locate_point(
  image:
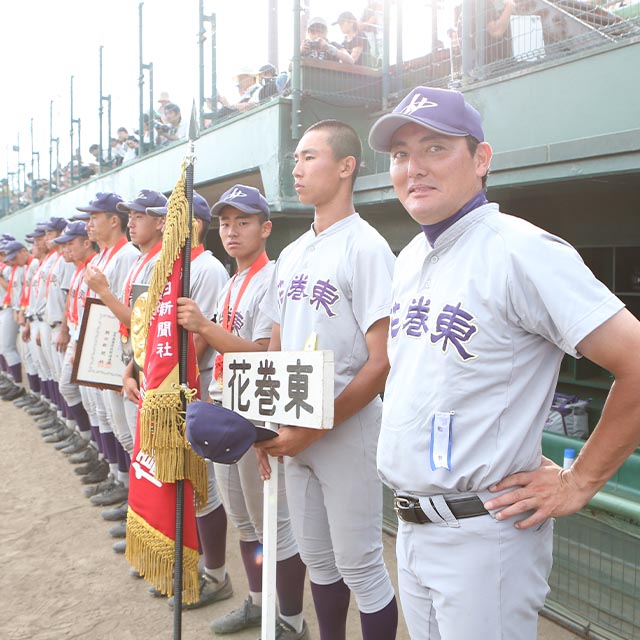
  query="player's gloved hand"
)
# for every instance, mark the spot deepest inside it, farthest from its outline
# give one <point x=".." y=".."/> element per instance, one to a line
<point x="548" y="491"/>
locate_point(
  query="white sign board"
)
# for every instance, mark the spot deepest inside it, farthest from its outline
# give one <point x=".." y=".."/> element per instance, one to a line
<point x="286" y="387"/>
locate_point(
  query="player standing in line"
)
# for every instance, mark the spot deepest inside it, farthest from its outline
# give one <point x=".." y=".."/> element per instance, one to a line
<point x="78" y="250"/>
<point x="107" y="226"/>
<point x="32" y="365"/>
<point x="484" y="307"/>
<point x="335" y="280"/>
<point x="241" y="326"/>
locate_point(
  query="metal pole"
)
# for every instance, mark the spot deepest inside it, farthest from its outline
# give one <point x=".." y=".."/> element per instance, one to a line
<point x="467" y="40"/>
<point x="434" y="25"/>
<point x="50" y="146"/>
<point x="272" y="25"/>
<point x="108" y="98"/>
<point x="386" y="54"/>
<point x="151" y="111"/>
<point x="71" y="176"/>
<point x="214" y="64"/>
<point x="296" y="93"/>
<point x="141" y="81"/>
<point x="201" y="39"/>
<point x="100" y="114"/>
<point x="33" y="171"/>
<point x="399" y="61"/>
<point x="183" y="378"/>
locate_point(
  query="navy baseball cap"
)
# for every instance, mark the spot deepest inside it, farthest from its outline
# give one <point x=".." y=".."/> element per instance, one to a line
<point x="243" y="198"/>
<point x="12" y="248"/>
<point x="441" y="110"/>
<point x="73" y="230"/>
<point x="39" y="231"/>
<point x="7" y="237"/>
<point x="103" y="202"/>
<point x="55" y="224"/>
<point x="219" y="434"/>
<point x="146" y="198"/>
<point x="200" y="208"/>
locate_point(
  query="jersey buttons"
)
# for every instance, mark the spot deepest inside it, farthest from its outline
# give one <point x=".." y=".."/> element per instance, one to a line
<point x="434" y="259"/>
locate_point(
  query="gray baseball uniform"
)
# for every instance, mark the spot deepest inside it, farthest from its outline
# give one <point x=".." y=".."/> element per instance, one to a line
<point x="240" y="484"/>
<point x="479" y="325"/>
<point x="338" y="284"/>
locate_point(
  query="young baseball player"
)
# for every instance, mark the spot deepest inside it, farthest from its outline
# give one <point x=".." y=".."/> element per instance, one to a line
<point x="244" y="228"/>
<point x="335" y="280"/>
<point x="107" y="225"/>
<point x="484" y="307"/>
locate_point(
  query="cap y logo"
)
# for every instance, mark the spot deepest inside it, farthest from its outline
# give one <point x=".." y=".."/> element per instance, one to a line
<point x="418" y="102"/>
<point x="236" y="193"/>
<point x="141" y="196"/>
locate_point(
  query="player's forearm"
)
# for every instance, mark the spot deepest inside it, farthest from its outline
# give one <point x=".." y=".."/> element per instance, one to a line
<point x="368" y="383"/>
<point x="224" y="342"/>
<point x="615" y="437"/>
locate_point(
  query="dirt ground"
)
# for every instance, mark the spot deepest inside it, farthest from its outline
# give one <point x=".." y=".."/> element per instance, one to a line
<point x="60" y="579"/>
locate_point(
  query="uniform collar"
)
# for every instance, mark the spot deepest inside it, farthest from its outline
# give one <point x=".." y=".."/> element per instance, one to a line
<point x="336" y="227"/>
<point x="451" y="234"/>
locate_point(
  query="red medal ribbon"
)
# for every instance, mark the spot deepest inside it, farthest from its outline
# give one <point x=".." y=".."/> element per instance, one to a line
<point x="26" y="285"/>
<point x="7" y="296"/>
<point x="228" y="318"/>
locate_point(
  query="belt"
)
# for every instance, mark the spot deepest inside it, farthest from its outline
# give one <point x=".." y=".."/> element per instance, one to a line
<point x="409" y="509"/>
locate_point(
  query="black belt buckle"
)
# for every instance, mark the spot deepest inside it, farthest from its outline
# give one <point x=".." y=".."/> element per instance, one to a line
<point x="409" y="509"/>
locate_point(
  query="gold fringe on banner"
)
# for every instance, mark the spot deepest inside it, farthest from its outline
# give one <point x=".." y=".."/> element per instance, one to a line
<point x="176" y="232"/>
<point x="153" y="554"/>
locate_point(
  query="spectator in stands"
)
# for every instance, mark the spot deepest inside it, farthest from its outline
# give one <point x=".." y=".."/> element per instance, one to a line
<point x="371" y="24"/>
<point x="163" y="101"/>
<point x="176" y="127"/>
<point x="268" y="80"/>
<point x="498" y="24"/>
<point x="355" y="41"/>
<point x="132" y="150"/>
<point x="120" y="148"/>
<point x="316" y="46"/>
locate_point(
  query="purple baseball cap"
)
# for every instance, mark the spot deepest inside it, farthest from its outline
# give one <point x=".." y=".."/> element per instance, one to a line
<point x="243" y="198"/>
<point x="73" y="230"/>
<point x="200" y="208"/>
<point x="145" y="199"/>
<point x="442" y="110"/>
<point x="7" y="237"/>
<point x="12" y="248"/>
<point x="55" y="224"/>
<point x="103" y="202"/>
<point x="219" y="434"/>
<point x="39" y="231"/>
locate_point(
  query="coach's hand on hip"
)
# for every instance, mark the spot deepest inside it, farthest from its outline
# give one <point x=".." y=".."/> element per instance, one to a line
<point x="548" y="491"/>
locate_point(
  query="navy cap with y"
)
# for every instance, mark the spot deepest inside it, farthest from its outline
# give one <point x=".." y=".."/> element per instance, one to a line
<point x="146" y="198"/>
<point x="441" y="110"/>
<point x="56" y="224"/>
<point x="243" y="198"/>
<point x="74" y="230"/>
<point x="103" y="203"/>
<point x="219" y="434"/>
<point x="200" y="208"/>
